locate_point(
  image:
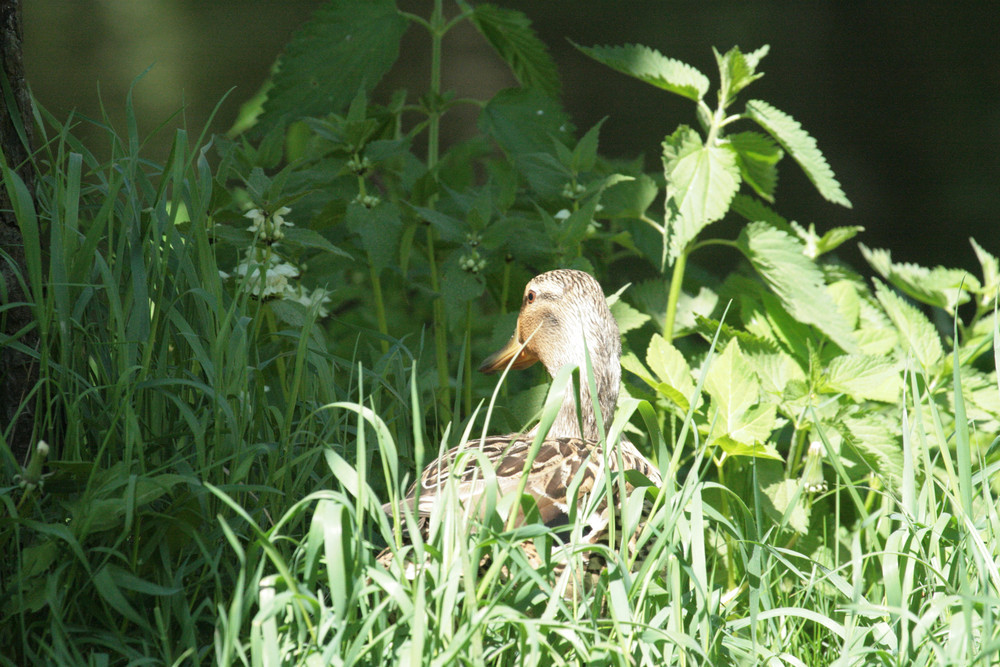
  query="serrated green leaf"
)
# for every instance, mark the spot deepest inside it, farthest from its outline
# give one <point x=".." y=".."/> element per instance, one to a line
<point x="916" y="333"/>
<point x="652" y="67"/>
<point x="757" y="157"/>
<point x="795" y="279"/>
<point x="940" y="287"/>
<point x="782" y="493"/>
<point x="628" y="318"/>
<point x="875" y="333"/>
<point x="817" y="245"/>
<point x="755" y="425"/>
<point x="775" y="370"/>
<point x="864" y="377"/>
<point x="510" y="33"/>
<point x="991" y="271"/>
<point x="736" y="71"/>
<point x="379" y="228"/>
<point x="871" y="435"/>
<point x="346" y="44"/>
<point x="585" y="153"/>
<point x="801" y="146"/>
<point x="525" y="121"/>
<point x="701" y="181"/>
<point x="669" y="365"/>
<point x="753" y="210"/>
<point x="545" y="173"/>
<point x="629" y="199"/>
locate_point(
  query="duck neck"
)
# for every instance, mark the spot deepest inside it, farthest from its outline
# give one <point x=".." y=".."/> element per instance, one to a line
<point x="568" y="423"/>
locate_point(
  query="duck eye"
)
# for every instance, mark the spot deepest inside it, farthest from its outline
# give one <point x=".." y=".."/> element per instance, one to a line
<point x="530" y="298"/>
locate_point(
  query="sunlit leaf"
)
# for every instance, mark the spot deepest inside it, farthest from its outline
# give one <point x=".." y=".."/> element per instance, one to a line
<point x="652" y="67"/>
<point x="510" y="33"/>
<point x="801" y="146"/>
<point x="916" y="333"/>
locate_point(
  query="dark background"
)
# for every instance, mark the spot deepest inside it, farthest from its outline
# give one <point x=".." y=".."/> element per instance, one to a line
<point x="902" y="97"/>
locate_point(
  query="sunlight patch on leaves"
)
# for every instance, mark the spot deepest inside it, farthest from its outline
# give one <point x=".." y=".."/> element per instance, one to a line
<point x="757" y="156"/>
<point x="864" y="376"/>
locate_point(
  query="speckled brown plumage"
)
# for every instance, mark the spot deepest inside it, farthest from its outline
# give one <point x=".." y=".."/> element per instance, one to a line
<point x="563" y="315"/>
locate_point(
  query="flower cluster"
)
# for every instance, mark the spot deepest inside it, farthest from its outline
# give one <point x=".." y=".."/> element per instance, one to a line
<point x="265" y="274"/>
<point x="268" y="225"/>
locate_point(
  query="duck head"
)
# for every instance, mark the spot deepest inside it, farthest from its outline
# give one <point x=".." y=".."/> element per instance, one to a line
<point x="563" y="313"/>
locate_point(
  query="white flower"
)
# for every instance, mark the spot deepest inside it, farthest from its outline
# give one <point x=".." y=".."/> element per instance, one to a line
<point x="562" y="214"/>
<point x="275" y="278"/>
<point x="268" y="226"/>
<point x="319" y="296"/>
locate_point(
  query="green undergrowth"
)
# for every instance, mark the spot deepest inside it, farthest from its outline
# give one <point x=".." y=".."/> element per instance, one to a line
<point x="245" y="349"/>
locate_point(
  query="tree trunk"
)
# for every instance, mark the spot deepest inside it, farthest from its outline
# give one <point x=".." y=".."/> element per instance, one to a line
<point x="18" y="373"/>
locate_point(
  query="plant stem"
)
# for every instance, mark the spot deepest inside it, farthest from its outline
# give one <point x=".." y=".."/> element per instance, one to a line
<point x="437" y="29"/>
<point x="675" y="293"/>
<point x="383" y="327"/>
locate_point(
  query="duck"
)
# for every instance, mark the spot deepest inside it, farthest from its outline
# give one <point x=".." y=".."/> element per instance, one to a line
<point x="564" y="317"/>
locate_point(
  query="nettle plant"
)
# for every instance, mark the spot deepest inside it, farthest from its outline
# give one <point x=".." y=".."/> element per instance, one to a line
<point x="788" y="374"/>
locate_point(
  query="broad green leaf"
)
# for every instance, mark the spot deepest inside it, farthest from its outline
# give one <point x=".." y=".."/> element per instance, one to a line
<point x="545" y="173"/>
<point x="757" y="156"/>
<point x="795" y="279"/>
<point x="775" y="370"/>
<point x="629" y="199"/>
<point x="344" y="46"/>
<point x="801" y="146"/>
<point x="525" y="121"/>
<point x="379" y="228"/>
<point x="916" y="333"/>
<point x="509" y="32"/>
<point x="817" y="245"/>
<point x="845" y="295"/>
<point x="737" y="71"/>
<point x="670" y="366"/>
<point x="628" y="318"/>
<point x="652" y="67"/>
<point x="701" y="181"/>
<point x="732" y="385"/>
<point x="755" y="425"/>
<point x="585" y="154"/>
<point x="864" y="377"/>
<point x="754" y="210"/>
<point x="875" y="333"/>
<point x="941" y="287"/>
<point x="872" y="436"/>
<point x="782" y="493"/>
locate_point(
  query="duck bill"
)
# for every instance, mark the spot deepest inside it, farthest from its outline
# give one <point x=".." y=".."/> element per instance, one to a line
<point x="512" y="350"/>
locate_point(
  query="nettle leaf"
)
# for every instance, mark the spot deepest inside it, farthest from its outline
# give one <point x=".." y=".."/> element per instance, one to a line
<point x="585" y="154"/>
<point x="629" y="199"/>
<point x="863" y="376"/>
<point x="525" y="120"/>
<point x="628" y="318"/>
<point x="509" y="32"/>
<point x="875" y="333"/>
<point x="775" y="370"/>
<point x="757" y="156"/>
<point x="941" y="287"/>
<point x="379" y="228"/>
<point x="817" y="245"/>
<point x="916" y="333"/>
<point x="873" y="437"/>
<point x="991" y="271"/>
<point x="801" y="146"/>
<point x="701" y="181"/>
<point x="344" y="46"/>
<point x="545" y="173"/>
<point x="753" y="210"/>
<point x="795" y="279"/>
<point x="652" y="67"/>
<point x="737" y="71"/>
<point x="670" y="366"/>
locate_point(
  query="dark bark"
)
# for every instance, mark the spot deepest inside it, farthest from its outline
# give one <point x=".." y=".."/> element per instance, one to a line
<point x="18" y="373"/>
